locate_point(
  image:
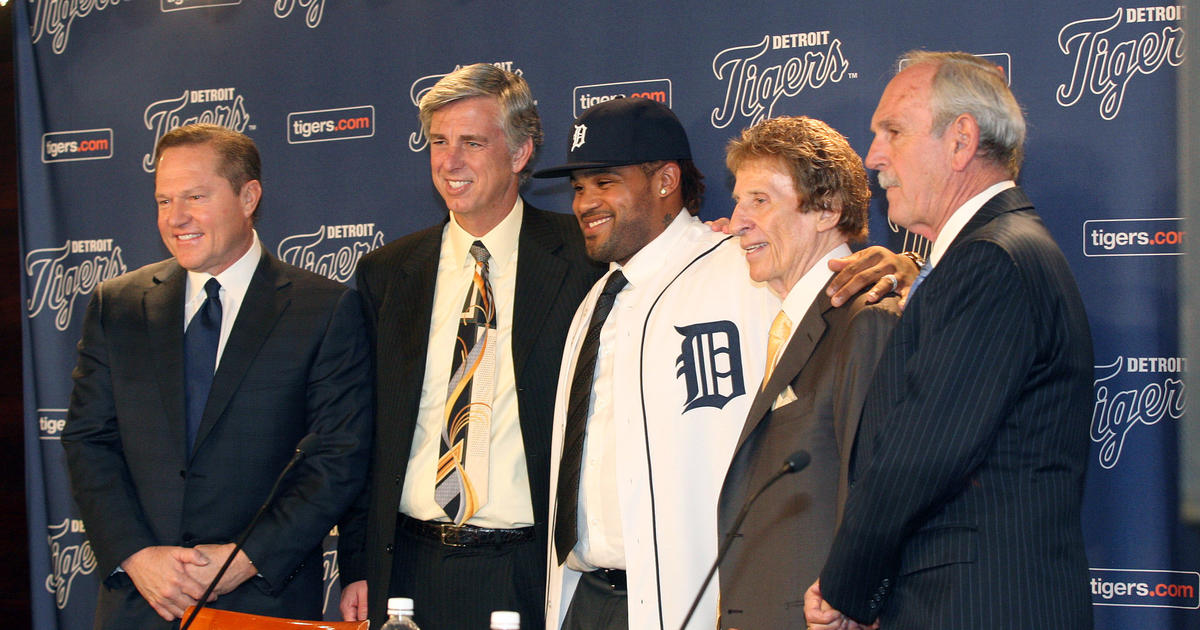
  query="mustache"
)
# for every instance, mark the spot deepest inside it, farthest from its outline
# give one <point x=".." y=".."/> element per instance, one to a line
<point x="887" y="180"/>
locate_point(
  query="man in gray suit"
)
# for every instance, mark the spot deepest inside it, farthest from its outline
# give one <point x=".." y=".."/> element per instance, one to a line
<point x="801" y="196"/>
<point x="967" y="475"/>
<point x="174" y="439"/>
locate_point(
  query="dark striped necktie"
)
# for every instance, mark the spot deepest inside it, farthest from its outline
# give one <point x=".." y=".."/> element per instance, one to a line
<point x="566" y="527"/>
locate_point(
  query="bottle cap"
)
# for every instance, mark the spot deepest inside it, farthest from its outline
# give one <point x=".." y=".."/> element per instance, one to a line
<point x="506" y="620"/>
<point x="400" y="606"/>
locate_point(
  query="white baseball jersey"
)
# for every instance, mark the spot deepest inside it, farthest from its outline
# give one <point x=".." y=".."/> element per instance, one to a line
<point x="690" y="349"/>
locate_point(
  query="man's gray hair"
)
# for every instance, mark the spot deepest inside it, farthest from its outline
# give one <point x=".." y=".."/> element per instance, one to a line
<point x="966" y="84"/>
<point x="518" y="114"/>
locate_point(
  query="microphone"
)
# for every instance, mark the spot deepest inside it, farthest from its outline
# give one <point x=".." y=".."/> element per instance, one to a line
<point x="792" y="464"/>
<point x="306" y="446"/>
<point x="312" y="441"/>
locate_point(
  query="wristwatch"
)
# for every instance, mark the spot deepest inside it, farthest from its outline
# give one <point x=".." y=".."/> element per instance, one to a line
<point x="916" y="259"/>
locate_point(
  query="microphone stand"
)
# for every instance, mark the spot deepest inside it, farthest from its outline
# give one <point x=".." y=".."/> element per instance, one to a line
<point x="301" y="452"/>
<point x="794" y="463"/>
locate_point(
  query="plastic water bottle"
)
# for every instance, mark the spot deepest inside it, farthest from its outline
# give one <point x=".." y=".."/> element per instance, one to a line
<point x="400" y="612"/>
<point x="506" y="620"/>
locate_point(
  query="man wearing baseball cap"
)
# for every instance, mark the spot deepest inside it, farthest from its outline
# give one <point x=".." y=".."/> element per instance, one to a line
<point x="654" y="383"/>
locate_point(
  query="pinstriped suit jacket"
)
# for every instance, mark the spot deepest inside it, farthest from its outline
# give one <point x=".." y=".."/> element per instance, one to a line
<point x="397" y="284"/>
<point x="967" y="478"/>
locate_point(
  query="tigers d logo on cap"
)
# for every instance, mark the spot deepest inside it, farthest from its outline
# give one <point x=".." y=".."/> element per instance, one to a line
<point x="621" y="132"/>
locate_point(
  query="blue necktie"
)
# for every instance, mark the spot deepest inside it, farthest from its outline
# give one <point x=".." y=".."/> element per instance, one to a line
<point x="916" y="283"/>
<point x="200" y="356"/>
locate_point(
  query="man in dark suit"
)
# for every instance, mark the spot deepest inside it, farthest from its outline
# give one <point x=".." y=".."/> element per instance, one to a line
<point x="967" y="476"/>
<point x="800" y="197"/>
<point x="461" y="559"/>
<point x="174" y="440"/>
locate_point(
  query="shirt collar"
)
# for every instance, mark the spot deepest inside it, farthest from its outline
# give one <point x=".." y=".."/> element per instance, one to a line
<point x="500" y="241"/>
<point x="806" y="289"/>
<point x="959" y="219"/>
<point x="235" y="278"/>
<point x="649" y="261"/>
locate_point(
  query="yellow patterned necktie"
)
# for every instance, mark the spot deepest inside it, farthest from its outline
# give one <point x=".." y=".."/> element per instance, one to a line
<point x="781" y="328"/>
<point x="461" y="486"/>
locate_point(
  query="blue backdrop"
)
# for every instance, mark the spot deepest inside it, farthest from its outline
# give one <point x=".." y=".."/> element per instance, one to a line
<point x="328" y="90"/>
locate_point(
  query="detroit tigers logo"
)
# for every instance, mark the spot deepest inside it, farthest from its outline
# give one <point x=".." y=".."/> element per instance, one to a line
<point x="578" y="137"/>
<point x="710" y="362"/>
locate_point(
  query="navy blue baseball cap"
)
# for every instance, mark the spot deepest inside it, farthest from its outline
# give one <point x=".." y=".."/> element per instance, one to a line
<point x="621" y="132"/>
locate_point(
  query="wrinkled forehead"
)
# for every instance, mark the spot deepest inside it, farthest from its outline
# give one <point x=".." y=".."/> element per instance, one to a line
<point x="906" y="97"/>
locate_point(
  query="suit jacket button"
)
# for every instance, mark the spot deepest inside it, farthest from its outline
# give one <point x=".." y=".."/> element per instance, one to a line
<point x="389" y="548"/>
<point x="398" y="479"/>
<point x="183" y="474"/>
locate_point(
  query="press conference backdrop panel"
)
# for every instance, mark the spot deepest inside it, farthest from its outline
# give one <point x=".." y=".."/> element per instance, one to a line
<point x="328" y="91"/>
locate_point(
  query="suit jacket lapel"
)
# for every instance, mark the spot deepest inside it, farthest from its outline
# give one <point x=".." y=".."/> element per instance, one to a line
<point x="264" y="302"/>
<point x="163" y="304"/>
<point x="540" y="274"/>
<point x="408" y="302"/>
<point x="795" y="356"/>
<point x="1007" y="200"/>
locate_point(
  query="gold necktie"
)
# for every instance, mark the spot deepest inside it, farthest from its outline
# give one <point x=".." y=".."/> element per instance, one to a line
<point x="781" y="328"/>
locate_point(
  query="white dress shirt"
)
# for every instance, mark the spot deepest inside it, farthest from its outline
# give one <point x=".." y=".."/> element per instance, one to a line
<point x="508" y="503"/>
<point x="800" y="297"/>
<point x="235" y="280"/>
<point x="961" y="217"/>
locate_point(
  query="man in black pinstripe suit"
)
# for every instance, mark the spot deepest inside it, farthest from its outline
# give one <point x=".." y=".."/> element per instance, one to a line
<point x="967" y="474"/>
